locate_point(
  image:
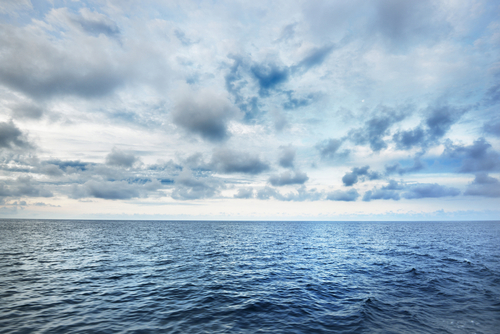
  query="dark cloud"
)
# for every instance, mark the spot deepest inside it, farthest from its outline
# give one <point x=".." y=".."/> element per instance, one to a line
<point x="204" y="113"/>
<point x="288" y="178"/>
<point x="484" y="185"/>
<point x="407" y="139"/>
<point x="397" y="168"/>
<point x="287" y="33"/>
<point x="228" y="161"/>
<point x="23" y="186"/>
<point x="440" y="119"/>
<point x="315" y="57"/>
<point x="187" y="187"/>
<point x="493" y="128"/>
<point x="71" y="166"/>
<point x="27" y="111"/>
<point x="269" y="76"/>
<point x="478" y="157"/>
<point x="404" y="23"/>
<point x="287" y="156"/>
<point x="492" y="96"/>
<point x="351" y="178"/>
<point x="120" y="158"/>
<point x="376" y="128"/>
<point x="340" y="195"/>
<point x="114" y="190"/>
<point x="389" y="191"/>
<point x="11" y="137"/>
<point x="328" y="149"/>
<point x="244" y="193"/>
<point x="32" y="64"/>
<point x="235" y="81"/>
<point x="428" y="190"/>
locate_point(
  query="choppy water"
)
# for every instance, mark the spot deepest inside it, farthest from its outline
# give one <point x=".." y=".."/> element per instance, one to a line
<point x="288" y="277"/>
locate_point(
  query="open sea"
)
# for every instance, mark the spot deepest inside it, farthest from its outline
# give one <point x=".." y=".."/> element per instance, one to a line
<point x="75" y="276"/>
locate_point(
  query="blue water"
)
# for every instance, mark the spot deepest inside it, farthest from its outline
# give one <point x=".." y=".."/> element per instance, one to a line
<point x="247" y="277"/>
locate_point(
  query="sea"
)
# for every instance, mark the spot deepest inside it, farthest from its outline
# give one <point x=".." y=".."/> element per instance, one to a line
<point x="78" y="276"/>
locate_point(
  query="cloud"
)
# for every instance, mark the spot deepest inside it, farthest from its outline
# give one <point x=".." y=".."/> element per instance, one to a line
<point x="23" y="186"/>
<point x="389" y="191"/>
<point x="351" y="178"/>
<point x="204" y="113"/>
<point x="269" y="76"/>
<point x="437" y="122"/>
<point x="187" y="187"/>
<point x="94" y="23"/>
<point x="397" y="168"/>
<point x="478" y="157"/>
<point x="228" y="161"/>
<point x="341" y="195"/>
<point x="315" y="57"/>
<point x="244" y="193"/>
<point x="120" y="158"/>
<point x="328" y="148"/>
<point x="301" y="194"/>
<point x="484" y="185"/>
<point x="407" y="139"/>
<point x="492" y="128"/>
<point x="11" y="137"/>
<point x="376" y="128"/>
<point x="288" y="178"/>
<point x="114" y="190"/>
<point x="27" y="111"/>
<point x="428" y="190"/>
<point x="32" y="64"/>
<point x="287" y="156"/>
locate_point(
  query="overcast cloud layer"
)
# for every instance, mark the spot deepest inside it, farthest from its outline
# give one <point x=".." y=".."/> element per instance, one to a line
<point x="250" y="109"/>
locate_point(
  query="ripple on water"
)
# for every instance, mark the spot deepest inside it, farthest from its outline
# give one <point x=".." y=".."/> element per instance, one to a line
<point x="289" y="277"/>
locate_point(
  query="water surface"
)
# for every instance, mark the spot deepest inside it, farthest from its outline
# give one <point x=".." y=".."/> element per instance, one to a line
<point x="246" y="277"/>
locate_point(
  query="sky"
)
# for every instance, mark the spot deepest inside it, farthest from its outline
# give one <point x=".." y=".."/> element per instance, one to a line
<point x="250" y="110"/>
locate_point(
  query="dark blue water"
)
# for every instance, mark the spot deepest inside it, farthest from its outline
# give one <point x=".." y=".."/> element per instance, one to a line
<point x="246" y="277"/>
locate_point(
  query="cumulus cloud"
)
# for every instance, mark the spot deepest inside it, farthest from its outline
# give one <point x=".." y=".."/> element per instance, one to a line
<point x="288" y="178"/>
<point x="287" y="156"/>
<point x="246" y="192"/>
<point x="120" y="158"/>
<point x="12" y="137"/>
<point x="30" y="63"/>
<point x="429" y="190"/>
<point x="301" y="194"/>
<point x="328" y="149"/>
<point x="478" y="157"/>
<point x="114" y="190"/>
<point x="23" y="186"/>
<point x="376" y="128"/>
<point x="204" y="113"/>
<point x="341" y="195"/>
<point x="351" y="178"/>
<point x="188" y="187"/>
<point x="399" y="169"/>
<point x="484" y="185"/>
<point x="228" y="161"/>
<point x="389" y="191"/>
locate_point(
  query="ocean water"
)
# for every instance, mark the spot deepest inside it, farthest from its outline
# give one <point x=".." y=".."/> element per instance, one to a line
<point x="248" y="277"/>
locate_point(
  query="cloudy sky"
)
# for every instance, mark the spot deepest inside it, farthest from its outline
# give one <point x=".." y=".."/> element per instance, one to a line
<point x="317" y="109"/>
